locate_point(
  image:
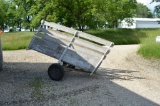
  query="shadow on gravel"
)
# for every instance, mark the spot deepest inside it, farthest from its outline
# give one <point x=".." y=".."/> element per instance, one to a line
<point x="117" y="74"/>
<point x="77" y="88"/>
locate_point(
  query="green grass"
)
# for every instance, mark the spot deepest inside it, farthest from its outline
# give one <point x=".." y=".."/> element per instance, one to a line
<point x="120" y="36"/>
<point x="37" y="85"/>
<point x="149" y="47"/>
<point x="16" y="40"/>
<point x="146" y="37"/>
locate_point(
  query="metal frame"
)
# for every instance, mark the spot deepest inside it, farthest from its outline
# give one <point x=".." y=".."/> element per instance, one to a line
<point x="69" y="45"/>
<point x="99" y="57"/>
<point x="103" y="57"/>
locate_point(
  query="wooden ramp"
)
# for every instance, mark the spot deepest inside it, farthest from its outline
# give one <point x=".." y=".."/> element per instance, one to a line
<point x="68" y="45"/>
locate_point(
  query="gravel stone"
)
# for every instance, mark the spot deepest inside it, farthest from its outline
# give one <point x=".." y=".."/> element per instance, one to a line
<point x="124" y="79"/>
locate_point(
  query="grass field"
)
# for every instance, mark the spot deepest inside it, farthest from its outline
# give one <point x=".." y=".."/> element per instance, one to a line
<point x="16" y="40"/>
<point x="120" y="36"/>
<point x="149" y="48"/>
<point x="146" y="37"/>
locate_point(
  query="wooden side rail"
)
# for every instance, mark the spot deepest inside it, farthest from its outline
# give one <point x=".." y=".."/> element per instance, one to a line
<point x="80" y="34"/>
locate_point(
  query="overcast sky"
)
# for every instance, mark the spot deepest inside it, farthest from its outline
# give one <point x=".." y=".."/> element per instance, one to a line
<point x="148" y="4"/>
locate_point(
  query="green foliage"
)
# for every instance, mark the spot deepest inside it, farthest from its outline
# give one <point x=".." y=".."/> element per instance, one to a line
<point x="79" y="14"/>
<point x="37" y="85"/>
<point x="149" y="48"/>
<point x="16" y="40"/>
<point x="118" y="10"/>
<point x="142" y="11"/>
<point x="157" y="11"/>
<point x="37" y="11"/>
<point x="146" y="37"/>
<point x="17" y="13"/>
<point x="120" y="36"/>
<point x="72" y="13"/>
<point x="157" y="8"/>
<point x="11" y="18"/>
<point x="3" y="9"/>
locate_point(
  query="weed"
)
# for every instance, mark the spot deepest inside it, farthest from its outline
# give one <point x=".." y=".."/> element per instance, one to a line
<point x="37" y="85"/>
<point x="149" y="47"/>
<point x="73" y="101"/>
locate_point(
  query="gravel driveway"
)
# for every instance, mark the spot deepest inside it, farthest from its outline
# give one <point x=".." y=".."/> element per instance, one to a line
<point x="124" y="79"/>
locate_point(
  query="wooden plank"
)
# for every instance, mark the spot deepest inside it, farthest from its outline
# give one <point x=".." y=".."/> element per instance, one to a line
<point x="74" y="46"/>
<point x="50" y="38"/>
<point x="78" y="59"/>
<point x="77" y="41"/>
<point x="81" y="34"/>
<point x="54" y="46"/>
<point x="83" y="64"/>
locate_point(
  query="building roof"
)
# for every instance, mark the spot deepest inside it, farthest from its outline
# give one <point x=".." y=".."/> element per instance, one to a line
<point x="146" y="19"/>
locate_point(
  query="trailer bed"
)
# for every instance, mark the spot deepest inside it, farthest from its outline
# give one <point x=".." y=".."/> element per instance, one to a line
<point x="70" y="46"/>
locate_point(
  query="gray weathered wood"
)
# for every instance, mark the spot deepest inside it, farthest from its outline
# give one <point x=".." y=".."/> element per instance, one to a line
<point x="54" y="40"/>
<point x="65" y="42"/>
<point x="78" y="59"/>
<point x="77" y="41"/>
<point x="81" y="34"/>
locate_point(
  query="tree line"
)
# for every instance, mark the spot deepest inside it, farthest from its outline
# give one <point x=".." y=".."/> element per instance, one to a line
<point x="79" y="14"/>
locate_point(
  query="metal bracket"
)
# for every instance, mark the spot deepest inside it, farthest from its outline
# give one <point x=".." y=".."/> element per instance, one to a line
<point x="99" y="63"/>
<point x="69" y="45"/>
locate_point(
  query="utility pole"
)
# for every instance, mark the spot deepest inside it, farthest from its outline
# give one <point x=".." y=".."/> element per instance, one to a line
<point x="1" y="54"/>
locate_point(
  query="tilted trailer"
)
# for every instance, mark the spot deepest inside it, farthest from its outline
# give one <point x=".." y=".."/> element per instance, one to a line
<point x="70" y="47"/>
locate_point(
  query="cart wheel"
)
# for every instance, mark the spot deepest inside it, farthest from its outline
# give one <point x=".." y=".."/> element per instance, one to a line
<point x="56" y="72"/>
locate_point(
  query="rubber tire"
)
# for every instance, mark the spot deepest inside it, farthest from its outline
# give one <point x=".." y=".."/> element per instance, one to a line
<point x="56" y="72"/>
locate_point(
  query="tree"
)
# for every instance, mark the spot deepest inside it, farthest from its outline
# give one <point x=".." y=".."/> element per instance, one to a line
<point x="40" y="10"/>
<point x="27" y="17"/>
<point x="157" y="8"/>
<point x="19" y="10"/>
<point x="142" y="11"/>
<point x="17" y="13"/>
<point x="84" y="12"/>
<point x="3" y="9"/>
<point x="117" y="10"/>
<point x="155" y="1"/>
<point x="72" y="13"/>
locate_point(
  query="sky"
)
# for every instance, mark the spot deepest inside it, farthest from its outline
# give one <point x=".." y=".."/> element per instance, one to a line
<point x="148" y="4"/>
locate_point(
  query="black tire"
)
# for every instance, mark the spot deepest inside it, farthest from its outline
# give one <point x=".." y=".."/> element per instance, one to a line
<point x="56" y="72"/>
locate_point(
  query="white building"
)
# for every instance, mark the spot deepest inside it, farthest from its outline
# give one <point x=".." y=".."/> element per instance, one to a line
<point x="133" y="23"/>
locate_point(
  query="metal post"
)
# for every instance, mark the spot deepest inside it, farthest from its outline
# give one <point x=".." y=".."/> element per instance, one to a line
<point x="1" y="55"/>
<point x="65" y="50"/>
<point x="100" y="61"/>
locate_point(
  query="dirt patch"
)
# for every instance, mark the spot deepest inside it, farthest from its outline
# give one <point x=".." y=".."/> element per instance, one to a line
<point x="124" y="78"/>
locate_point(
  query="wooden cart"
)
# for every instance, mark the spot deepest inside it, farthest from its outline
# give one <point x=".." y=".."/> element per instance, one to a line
<point x="71" y="47"/>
